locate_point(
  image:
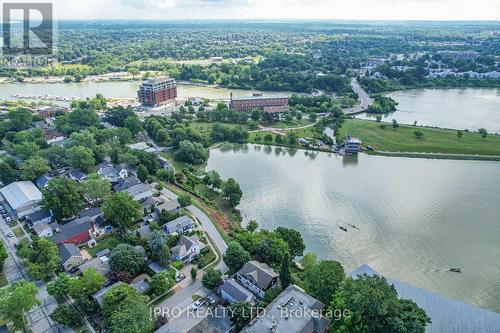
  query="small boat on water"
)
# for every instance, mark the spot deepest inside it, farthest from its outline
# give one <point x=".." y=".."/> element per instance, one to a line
<point x="353" y="226"/>
<point x="455" y="270"/>
<point x="343" y="229"/>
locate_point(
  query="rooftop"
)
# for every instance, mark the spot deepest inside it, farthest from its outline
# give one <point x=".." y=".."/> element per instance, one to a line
<point x="66" y="251"/>
<point x="38" y="215"/>
<point x="236" y="291"/>
<point x="71" y="229"/>
<point x="178" y="223"/>
<point x="247" y="98"/>
<point x="447" y="315"/>
<point x="18" y="194"/>
<point x="260" y="273"/>
<point x="296" y="319"/>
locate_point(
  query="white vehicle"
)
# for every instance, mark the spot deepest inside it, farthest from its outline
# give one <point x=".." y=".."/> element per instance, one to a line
<point x="198" y="304"/>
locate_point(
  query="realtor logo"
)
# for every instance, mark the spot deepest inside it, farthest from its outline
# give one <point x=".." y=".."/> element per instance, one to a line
<point x="28" y="28"/>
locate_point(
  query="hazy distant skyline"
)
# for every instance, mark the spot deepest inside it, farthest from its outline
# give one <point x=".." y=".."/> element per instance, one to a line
<point x="279" y="9"/>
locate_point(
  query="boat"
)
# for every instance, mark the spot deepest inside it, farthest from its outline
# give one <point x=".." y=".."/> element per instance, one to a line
<point x="455" y="270"/>
<point x="343" y="229"/>
<point x="353" y="226"/>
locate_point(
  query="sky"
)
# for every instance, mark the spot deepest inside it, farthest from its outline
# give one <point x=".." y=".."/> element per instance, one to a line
<point x="278" y="9"/>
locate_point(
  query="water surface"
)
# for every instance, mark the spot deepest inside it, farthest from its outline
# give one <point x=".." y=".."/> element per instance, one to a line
<point x="416" y="217"/>
<point x="469" y="108"/>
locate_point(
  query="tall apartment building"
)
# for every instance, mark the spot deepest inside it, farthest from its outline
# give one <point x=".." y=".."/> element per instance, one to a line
<point x="157" y="91"/>
<point x="257" y="101"/>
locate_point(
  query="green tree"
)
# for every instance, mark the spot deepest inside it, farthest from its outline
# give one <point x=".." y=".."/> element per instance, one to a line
<point x="241" y="314"/>
<point x="395" y="124"/>
<point x="184" y="200"/>
<point x="62" y="197"/>
<point x="95" y="187"/>
<point x="459" y="134"/>
<point x="34" y="167"/>
<point x="20" y="119"/>
<point x="121" y="209"/>
<point x="194" y="273"/>
<point x="59" y="287"/>
<point x="81" y="158"/>
<point x="125" y="258"/>
<point x="133" y="124"/>
<point x="231" y="191"/>
<point x="159" y="245"/>
<point x="190" y="152"/>
<point x="7" y="173"/>
<point x="323" y="279"/>
<point x="285" y="275"/>
<point x="161" y="283"/>
<point x="125" y="311"/>
<point x="3" y="255"/>
<point x="15" y="300"/>
<point x="483" y="132"/>
<point x="375" y="307"/>
<point x="236" y="256"/>
<point x="272" y="249"/>
<point x="255" y="115"/>
<point x="252" y="226"/>
<point x="294" y="240"/>
<point x="142" y="173"/>
<point x="41" y="258"/>
<point x="418" y="134"/>
<point x="65" y="315"/>
<point x="212" y="278"/>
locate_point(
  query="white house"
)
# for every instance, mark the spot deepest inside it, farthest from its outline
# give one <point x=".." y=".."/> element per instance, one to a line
<point x="186" y="248"/>
<point x="42" y="230"/>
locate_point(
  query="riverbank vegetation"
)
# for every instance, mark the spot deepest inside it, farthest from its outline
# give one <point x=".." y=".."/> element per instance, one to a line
<point x="383" y="136"/>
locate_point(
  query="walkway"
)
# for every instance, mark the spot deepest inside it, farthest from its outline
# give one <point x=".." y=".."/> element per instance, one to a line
<point x="365" y="99"/>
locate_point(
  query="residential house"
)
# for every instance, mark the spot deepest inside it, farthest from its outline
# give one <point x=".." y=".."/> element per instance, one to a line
<point x="303" y="314"/>
<point x="77" y="231"/>
<point x="171" y="206"/>
<point x="77" y="175"/>
<point x="42" y="229"/>
<point x="42" y="182"/>
<point x="166" y="164"/>
<point x="186" y="248"/>
<point x="98" y="297"/>
<point x="53" y="137"/>
<point x="39" y="216"/>
<point x="257" y="277"/>
<point x="232" y="292"/>
<point x="133" y="186"/>
<point x="100" y="264"/>
<point x="143" y="232"/>
<point x="92" y="213"/>
<point x="70" y="256"/>
<point x="112" y="172"/>
<point x="22" y="197"/>
<point x="142" y="146"/>
<point x="180" y="225"/>
<point x="142" y="286"/>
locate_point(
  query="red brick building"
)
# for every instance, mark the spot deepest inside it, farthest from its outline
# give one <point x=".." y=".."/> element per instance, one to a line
<point x="157" y="91"/>
<point x="264" y="103"/>
<point x="76" y="232"/>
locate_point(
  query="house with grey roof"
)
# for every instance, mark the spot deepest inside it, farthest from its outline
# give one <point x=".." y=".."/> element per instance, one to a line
<point x="257" y="277"/>
<point x="77" y="231"/>
<point x="42" y="181"/>
<point x="77" y="175"/>
<point x="180" y="225"/>
<point x="112" y="172"/>
<point x="99" y="264"/>
<point x="70" y="256"/>
<point x="142" y="286"/>
<point x="43" y="230"/>
<point x="186" y="248"/>
<point x="98" y="297"/>
<point x="133" y="186"/>
<point x="447" y="315"/>
<point x="39" y="216"/>
<point x="232" y="292"/>
<point x="303" y="314"/>
<point x="172" y="206"/>
<point x="22" y="197"/>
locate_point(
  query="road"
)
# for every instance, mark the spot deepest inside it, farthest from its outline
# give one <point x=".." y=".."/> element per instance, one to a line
<point x="365" y="99"/>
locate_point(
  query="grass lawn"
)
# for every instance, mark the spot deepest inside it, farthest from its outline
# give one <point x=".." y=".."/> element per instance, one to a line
<point x="19" y="232"/>
<point x="292" y="124"/>
<point x="109" y="243"/>
<point x="433" y="141"/>
<point x="206" y="258"/>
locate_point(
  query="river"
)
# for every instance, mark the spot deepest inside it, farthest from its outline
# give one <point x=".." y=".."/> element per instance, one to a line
<point x="120" y="89"/>
<point x="469" y="108"/>
<point x="416" y="217"/>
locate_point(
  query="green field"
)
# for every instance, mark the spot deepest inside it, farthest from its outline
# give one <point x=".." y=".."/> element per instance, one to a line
<point x="433" y="141"/>
<point x="109" y="243"/>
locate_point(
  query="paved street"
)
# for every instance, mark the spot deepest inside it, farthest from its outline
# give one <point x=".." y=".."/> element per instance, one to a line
<point x="365" y="99"/>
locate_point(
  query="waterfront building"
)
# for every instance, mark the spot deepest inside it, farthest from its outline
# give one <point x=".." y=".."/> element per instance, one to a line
<point x="352" y="145"/>
<point x="157" y="91"/>
<point x="258" y="101"/>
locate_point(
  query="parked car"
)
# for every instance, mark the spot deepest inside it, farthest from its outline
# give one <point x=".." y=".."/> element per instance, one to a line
<point x="180" y="277"/>
<point x="8" y="219"/>
<point x="198" y="304"/>
<point x="10" y="235"/>
<point x="211" y="300"/>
